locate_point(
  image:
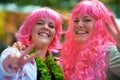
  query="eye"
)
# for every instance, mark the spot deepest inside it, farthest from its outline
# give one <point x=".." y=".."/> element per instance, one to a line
<point x="76" y="20"/>
<point x="51" y="25"/>
<point x="87" y="20"/>
<point x="39" y="23"/>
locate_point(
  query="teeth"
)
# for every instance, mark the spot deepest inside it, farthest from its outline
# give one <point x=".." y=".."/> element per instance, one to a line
<point x="81" y="32"/>
<point x="44" y="34"/>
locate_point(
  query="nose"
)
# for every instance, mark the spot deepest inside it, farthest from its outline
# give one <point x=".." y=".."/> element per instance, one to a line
<point x="45" y="27"/>
<point x="81" y="23"/>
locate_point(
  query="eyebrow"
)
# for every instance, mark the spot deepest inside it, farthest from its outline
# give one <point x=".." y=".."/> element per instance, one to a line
<point x="86" y="16"/>
<point x="40" y="20"/>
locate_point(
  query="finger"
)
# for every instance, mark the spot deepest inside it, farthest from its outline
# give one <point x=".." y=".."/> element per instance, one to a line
<point x="17" y="45"/>
<point x="24" y="55"/>
<point x="115" y="24"/>
<point x="32" y="56"/>
<point x="27" y="50"/>
<point x="23" y="47"/>
<point x="112" y="33"/>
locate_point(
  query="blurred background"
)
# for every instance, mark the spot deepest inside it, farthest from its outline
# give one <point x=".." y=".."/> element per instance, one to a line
<point x="14" y="12"/>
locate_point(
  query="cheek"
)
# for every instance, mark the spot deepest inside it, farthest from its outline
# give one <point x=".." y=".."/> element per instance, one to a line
<point x="91" y="27"/>
<point x="33" y="37"/>
<point x="53" y="33"/>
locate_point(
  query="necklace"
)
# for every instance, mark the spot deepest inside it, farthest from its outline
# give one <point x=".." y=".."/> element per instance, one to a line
<point x="47" y="66"/>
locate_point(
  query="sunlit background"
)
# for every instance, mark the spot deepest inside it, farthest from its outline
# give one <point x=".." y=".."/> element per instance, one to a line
<point x="14" y="12"/>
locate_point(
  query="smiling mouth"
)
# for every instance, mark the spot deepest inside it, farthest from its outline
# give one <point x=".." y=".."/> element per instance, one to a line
<point x="44" y="34"/>
<point x="81" y="32"/>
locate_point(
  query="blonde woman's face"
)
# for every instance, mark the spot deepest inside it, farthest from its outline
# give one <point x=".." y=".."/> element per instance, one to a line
<point x="43" y="32"/>
<point x="83" y="27"/>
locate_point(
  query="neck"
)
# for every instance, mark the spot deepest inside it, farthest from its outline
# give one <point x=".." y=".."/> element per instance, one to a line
<point x="42" y="55"/>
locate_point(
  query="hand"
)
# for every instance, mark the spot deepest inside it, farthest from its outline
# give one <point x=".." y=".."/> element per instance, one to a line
<point x="14" y="62"/>
<point x="19" y="46"/>
<point x="116" y="33"/>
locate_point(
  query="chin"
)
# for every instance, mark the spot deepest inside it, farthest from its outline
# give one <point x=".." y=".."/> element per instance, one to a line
<point x="45" y="42"/>
<point x="81" y="40"/>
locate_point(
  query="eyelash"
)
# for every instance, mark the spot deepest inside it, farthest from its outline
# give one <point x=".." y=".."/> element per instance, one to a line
<point x="76" y="20"/>
<point x="39" y="23"/>
<point x="51" y="26"/>
<point x="86" y="20"/>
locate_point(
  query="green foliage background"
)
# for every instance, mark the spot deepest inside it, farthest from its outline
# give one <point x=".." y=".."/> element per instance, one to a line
<point x="66" y="5"/>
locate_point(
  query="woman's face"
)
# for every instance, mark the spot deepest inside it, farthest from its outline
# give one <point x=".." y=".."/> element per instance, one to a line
<point x="43" y="32"/>
<point x="83" y="27"/>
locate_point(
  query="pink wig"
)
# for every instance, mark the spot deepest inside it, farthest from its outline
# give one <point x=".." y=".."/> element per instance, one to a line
<point x="87" y="63"/>
<point x="24" y="32"/>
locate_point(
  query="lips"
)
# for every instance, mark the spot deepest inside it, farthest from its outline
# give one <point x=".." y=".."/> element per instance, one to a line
<point x="81" y="32"/>
<point x="45" y="34"/>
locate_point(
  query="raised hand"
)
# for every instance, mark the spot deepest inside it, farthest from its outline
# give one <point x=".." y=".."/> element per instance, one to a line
<point x="116" y="33"/>
<point x="14" y="62"/>
<point x="19" y="46"/>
